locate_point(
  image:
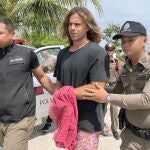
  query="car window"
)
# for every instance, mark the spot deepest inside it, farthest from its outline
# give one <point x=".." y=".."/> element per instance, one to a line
<point x="47" y="59"/>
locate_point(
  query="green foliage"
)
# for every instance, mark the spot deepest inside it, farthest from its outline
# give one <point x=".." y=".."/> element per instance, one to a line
<point x="38" y="21"/>
<point x="40" y="15"/>
<point x="39" y="39"/>
<point x="108" y="33"/>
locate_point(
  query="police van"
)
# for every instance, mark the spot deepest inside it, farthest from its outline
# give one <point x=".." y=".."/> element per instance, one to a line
<point x="47" y="58"/>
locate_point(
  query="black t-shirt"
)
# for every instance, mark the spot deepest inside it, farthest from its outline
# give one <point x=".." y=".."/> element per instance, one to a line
<point x="34" y="62"/>
<point x="78" y="68"/>
<point x="107" y="65"/>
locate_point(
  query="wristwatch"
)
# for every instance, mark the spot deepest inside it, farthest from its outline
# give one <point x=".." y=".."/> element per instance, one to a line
<point x="108" y="98"/>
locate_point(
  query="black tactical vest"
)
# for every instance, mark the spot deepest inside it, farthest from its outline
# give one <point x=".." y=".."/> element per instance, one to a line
<point x="17" y="99"/>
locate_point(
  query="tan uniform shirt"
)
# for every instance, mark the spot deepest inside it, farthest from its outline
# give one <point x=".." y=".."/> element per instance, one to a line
<point x="135" y="83"/>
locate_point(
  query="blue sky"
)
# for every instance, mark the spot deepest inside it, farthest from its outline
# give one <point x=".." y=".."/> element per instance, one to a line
<point x="119" y="11"/>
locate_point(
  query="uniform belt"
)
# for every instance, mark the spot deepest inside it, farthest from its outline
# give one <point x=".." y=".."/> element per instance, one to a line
<point x="140" y="132"/>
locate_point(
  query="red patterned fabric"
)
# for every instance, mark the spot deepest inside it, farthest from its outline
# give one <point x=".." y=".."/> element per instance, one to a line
<point x="87" y="141"/>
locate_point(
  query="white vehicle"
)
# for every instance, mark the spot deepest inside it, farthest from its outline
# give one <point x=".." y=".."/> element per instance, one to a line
<point x="47" y="58"/>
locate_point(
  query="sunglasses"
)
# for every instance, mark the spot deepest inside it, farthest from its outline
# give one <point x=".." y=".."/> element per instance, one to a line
<point x="110" y="50"/>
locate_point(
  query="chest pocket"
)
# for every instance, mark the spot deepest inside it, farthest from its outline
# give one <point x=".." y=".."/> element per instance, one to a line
<point x="141" y="79"/>
<point x="126" y="83"/>
<point x="16" y="63"/>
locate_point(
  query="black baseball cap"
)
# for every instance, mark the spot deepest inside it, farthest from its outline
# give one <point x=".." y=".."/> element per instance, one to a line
<point x="131" y="28"/>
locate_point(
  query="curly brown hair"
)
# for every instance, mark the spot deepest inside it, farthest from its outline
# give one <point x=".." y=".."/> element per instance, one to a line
<point x="93" y="34"/>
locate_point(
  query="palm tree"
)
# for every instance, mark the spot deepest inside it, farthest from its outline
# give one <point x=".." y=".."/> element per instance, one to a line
<point x="43" y="15"/>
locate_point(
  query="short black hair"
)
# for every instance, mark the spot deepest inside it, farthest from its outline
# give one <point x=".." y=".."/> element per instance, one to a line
<point x="8" y="23"/>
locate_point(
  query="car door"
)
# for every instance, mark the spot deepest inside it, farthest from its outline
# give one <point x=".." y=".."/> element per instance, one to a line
<point x="47" y="58"/>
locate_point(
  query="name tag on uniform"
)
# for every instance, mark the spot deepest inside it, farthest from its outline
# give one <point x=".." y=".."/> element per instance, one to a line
<point x="16" y="60"/>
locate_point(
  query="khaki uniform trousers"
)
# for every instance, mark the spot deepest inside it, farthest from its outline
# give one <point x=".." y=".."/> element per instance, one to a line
<point x="15" y="136"/>
<point x="114" y="118"/>
<point x="133" y="142"/>
<point x="113" y="115"/>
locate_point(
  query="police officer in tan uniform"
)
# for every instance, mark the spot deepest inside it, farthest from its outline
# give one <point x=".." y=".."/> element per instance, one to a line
<point x="114" y="70"/>
<point x="132" y="88"/>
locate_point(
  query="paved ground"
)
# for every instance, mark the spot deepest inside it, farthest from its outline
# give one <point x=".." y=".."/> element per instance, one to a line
<point x="45" y="142"/>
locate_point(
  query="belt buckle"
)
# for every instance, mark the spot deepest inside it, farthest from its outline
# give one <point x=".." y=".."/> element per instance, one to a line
<point x="142" y="134"/>
<point x="147" y="133"/>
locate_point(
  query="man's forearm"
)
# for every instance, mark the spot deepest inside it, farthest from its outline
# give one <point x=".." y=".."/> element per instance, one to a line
<point x="131" y="101"/>
<point x="47" y="84"/>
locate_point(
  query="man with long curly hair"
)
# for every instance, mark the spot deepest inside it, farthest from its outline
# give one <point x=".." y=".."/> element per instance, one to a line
<point x="82" y="63"/>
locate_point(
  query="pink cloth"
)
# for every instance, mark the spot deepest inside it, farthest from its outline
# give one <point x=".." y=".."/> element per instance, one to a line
<point x="63" y="111"/>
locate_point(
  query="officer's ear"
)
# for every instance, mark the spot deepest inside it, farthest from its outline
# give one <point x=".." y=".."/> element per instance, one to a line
<point x="13" y="35"/>
<point x="145" y="39"/>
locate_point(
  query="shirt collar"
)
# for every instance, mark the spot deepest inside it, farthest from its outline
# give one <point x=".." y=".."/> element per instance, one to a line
<point x="144" y="61"/>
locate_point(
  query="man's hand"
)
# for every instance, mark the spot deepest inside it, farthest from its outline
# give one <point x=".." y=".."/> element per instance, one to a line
<point x="80" y="90"/>
<point x="99" y="94"/>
